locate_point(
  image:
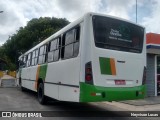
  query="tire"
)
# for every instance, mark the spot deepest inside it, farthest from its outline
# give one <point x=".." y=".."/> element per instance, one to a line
<point x="41" y="96"/>
<point x="22" y="88"/>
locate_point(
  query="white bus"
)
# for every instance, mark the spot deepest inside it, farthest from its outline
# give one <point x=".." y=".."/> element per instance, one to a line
<point x="95" y="58"/>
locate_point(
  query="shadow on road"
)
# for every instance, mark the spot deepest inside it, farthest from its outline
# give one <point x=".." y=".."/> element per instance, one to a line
<point x="73" y="109"/>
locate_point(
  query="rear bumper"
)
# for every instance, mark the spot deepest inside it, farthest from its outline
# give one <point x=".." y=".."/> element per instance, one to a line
<point x="91" y="93"/>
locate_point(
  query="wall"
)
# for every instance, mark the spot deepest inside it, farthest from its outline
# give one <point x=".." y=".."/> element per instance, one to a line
<point x="150" y="80"/>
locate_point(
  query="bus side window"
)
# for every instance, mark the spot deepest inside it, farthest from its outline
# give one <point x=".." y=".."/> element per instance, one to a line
<point x="70" y="43"/>
<point x="33" y="57"/>
<point x="69" y="39"/>
<point x="76" y="43"/>
<point x="51" y="48"/>
<point x="56" y="52"/>
<point x="29" y="60"/>
<point x="59" y="46"/>
<point x="36" y="57"/>
<point x="63" y="45"/>
<point x="45" y="53"/>
<point x="24" y="61"/>
<point x="42" y="54"/>
<point x="77" y="33"/>
<point x="53" y="53"/>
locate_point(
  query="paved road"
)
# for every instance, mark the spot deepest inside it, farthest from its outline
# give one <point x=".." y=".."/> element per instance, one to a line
<point x="7" y="81"/>
<point x="12" y="99"/>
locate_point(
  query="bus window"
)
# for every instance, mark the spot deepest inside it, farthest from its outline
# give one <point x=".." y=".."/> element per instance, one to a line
<point x="53" y="50"/>
<point x="77" y="33"/>
<point x="24" y="60"/>
<point x="56" y="52"/>
<point x="71" y="48"/>
<point x="118" y="35"/>
<point x="42" y="54"/>
<point x="69" y="39"/>
<point x="36" y="56"/>
<point x="29" y="60"/>
<point x="33" y="57"/>
<point x="76" y="44"/>
<point x="63" y="45"/>
<point x="53" y="45"/>
<point x="21" y="62"/>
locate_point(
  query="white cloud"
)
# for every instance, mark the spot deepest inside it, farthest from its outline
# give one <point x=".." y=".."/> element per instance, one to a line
<point x="73" y="9"/>
<point x="18" y="12"/>
<point x="152" y="22"/>
<point x="120" y="8"/>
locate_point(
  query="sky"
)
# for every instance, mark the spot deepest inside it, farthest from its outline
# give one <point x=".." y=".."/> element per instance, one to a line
<point x="18" y="12"/>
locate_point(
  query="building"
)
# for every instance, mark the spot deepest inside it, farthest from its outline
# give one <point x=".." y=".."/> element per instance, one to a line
<point x="153" y="64"/>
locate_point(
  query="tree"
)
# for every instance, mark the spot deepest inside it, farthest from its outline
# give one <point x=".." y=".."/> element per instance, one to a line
<point x="27" y="37"/>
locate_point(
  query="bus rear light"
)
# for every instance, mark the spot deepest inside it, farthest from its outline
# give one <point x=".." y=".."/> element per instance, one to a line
<point x="96" y="94"/>
<point x="88" y="73"/>
<point x="144" y="76"/>
<point x="88" y="77"/>
<point x="88" y="70"/>
<point x="93" y="94"/>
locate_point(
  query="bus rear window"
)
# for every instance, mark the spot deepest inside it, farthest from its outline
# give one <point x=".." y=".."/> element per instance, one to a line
<point x="118" y="35"/>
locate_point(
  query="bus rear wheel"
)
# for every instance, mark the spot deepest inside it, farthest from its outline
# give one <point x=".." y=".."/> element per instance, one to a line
<point x="41" y="96"/>
<point x="22" y="88"/>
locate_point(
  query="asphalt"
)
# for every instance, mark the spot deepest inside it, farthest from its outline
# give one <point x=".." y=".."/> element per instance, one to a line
<point x="147" y="104"/>
<point x="13" y="99"/>
<point x="7" y="81"/>
<point x="142" y="102"/>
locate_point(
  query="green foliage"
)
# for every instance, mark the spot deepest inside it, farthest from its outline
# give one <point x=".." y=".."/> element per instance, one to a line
<point x="27" y="37"/>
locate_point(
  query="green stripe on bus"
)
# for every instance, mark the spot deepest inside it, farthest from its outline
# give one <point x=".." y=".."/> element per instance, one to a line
<point x="91" y="93"/>
<point x="105" y="66"/>
<point x="43" y="71"/>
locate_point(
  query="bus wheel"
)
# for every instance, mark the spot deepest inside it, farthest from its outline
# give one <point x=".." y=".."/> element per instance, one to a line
<point x="23" y="89"/>
<point x="41" y="96"/>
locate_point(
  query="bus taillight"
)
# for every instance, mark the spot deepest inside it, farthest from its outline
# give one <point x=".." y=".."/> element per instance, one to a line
<point x="88" y="73"/>
<point x="144" y="76"/>
<point x="88" y="77"/>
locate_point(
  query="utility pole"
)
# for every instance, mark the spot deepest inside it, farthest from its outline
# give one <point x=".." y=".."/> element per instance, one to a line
<point x="136" y="11"/>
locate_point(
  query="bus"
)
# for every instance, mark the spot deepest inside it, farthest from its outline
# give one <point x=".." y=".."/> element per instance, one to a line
<point x="95" y="58"/>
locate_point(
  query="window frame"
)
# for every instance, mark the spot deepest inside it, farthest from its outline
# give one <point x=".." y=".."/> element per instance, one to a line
<point x="117" y="47"/>
<point x="29" y="59"/>
<point x="58" y="47"/>
<point x="34" y="57"/>
<point x="44" y="54"/>
<point x="75" y="28"/>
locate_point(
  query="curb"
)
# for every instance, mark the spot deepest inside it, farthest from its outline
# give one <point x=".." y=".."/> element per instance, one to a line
<point x="129" y="107"/>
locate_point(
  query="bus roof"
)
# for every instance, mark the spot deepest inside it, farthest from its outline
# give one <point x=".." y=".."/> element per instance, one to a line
<point x="72" y="25"/>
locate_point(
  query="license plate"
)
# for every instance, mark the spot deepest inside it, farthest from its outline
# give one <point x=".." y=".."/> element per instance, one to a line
<point x="120" y="82"/>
